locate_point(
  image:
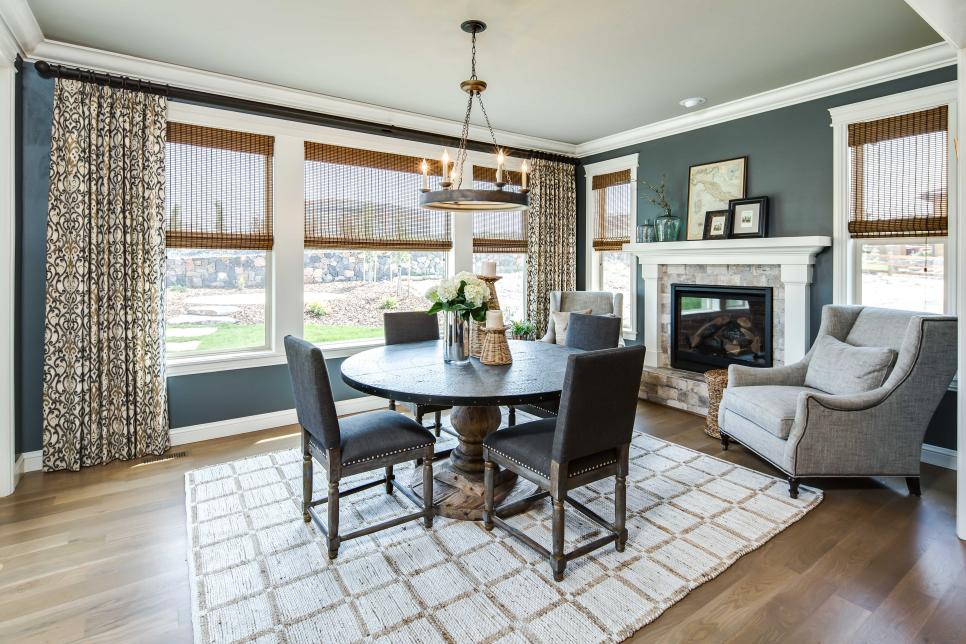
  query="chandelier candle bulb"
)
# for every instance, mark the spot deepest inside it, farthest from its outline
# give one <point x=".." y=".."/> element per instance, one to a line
<point x="494" y="320"/>
<point x="523" y="176"/>
<point x="425" y="169"/>
<point x="499" y="167"/>
<point x="489" y="268"/>
<point x="445" y="169"/>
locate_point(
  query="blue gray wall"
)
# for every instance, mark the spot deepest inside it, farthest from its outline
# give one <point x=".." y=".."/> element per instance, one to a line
<point x="790" y="161"/>
<point x="192" y="399"/>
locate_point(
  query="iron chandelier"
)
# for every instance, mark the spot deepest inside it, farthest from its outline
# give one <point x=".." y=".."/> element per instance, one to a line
<point x="452" y="196"/>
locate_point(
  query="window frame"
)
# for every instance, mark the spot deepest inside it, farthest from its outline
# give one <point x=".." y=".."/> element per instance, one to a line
<point x="285" y="260"/>
<point x="593" y="264"/>
<point x="846" y="252"/>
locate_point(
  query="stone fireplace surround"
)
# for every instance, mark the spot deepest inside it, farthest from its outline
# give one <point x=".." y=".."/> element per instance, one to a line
<point x="782" y="263"/>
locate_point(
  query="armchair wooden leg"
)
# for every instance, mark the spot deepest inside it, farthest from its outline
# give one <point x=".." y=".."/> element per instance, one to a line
<point x="332" y="538"/>
<point x="725" y="441"/>
<point x="392" y="405"/>
<point x="419" y="418"/>
<point x="620" y="511"/>
<point x="558" y="563"/>
<point x="488" y="471"/>
<point x="307" y="471"/>
<point x="912" y="482"/>
<point x="512" y="418"/>
<point x="389" y="478"/>
<point x="438" y="425"/>
<point x="793" y="487"/>
<point x="428" y="487"/>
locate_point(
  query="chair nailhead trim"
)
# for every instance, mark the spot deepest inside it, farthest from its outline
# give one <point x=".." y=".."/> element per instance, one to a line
<point x="527" y="467"/>
<point x="595" y="467"/>
<point x="372" y="458"/>
<point x="513" y="460"/>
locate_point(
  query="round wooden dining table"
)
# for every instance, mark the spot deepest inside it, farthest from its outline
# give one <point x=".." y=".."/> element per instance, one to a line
<point x="415" y="372"/>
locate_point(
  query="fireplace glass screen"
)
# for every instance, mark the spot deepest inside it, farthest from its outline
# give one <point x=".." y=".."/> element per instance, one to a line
<point x="715" y="326"/>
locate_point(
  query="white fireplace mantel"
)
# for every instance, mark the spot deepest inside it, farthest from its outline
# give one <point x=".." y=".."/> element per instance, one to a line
<point x="795" y="256"/>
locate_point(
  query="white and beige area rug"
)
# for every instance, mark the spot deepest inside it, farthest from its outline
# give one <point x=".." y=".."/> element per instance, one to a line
<point x="259" y="573"/>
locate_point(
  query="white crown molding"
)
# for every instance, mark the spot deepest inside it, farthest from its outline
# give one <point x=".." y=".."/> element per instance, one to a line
<point x="223" y="85"/>
<point x="21" y="26"/>
<point x="878" y="71"/>
<point x="8" y="44"/>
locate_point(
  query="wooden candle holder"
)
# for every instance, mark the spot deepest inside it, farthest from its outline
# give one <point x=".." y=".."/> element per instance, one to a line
<point x="496" y="349"/>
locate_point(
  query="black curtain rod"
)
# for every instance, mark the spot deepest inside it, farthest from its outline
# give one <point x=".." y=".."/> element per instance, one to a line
<point x="50" y="70"/>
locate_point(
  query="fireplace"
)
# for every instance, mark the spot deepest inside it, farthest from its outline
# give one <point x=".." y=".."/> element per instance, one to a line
<point x="715" y="326"/>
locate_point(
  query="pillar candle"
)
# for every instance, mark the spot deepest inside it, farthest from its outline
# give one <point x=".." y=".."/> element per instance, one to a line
<point x="494" y="319"/>
<point x="489" y="268"/>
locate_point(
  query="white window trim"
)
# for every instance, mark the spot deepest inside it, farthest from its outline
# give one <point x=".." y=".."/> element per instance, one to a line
<point x="592" y="258"/>
<point x="845" y="252"/>
<point x="284" y="285"/>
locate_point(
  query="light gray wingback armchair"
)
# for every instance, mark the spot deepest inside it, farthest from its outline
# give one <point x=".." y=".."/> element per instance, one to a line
<point x="599" y="303"/>
<point x="807" y="432"/>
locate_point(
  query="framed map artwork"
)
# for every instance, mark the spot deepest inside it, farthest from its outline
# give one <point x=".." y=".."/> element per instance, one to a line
<point x="710" y="187"/>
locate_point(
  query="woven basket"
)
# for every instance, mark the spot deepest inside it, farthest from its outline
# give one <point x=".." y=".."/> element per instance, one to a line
<point x="717" y="380"/>
<point x="496" y="349"/>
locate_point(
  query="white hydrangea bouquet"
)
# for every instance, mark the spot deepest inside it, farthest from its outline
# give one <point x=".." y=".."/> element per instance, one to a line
<point x="464" y="295"/>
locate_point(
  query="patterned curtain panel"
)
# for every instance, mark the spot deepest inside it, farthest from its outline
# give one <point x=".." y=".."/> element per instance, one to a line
<point x="551" y="237"/>
<point x="104" y="389"/>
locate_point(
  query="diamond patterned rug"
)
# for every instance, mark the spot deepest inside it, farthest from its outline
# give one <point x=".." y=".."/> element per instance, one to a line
<point x="259" y="573"/>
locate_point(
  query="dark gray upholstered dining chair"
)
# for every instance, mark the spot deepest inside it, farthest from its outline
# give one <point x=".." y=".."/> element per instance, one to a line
<point x="352" y="445"/>
<point x="588" y="441"/>
<point x="414" y="326"/>
<point x="587" y="332"/>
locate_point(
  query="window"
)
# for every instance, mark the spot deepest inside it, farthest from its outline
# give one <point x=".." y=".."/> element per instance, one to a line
<point x="898" y="210"/>
<point x="502" y="237"/>
<point x="612" y="198"/>
<point x="369" y="248"/>
<point x="219" y="235"/>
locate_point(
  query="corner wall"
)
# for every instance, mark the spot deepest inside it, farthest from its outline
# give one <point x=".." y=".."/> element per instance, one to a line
<point x="789" y="160"/>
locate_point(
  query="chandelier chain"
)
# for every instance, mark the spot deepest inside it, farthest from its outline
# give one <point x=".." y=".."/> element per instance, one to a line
<point x="465" y="134"/>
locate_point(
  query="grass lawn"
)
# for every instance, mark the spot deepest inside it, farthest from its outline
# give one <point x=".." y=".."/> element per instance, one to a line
<point x="242" y="336"/>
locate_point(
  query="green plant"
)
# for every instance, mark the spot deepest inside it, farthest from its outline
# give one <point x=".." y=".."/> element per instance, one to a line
<point x="316" y="309"/>
<point x="241" y="282"/>
<point x="389" y="304"/>
<point x="523" y="329"/>
<point x="658" y="195"/>
<point x="178" y="288"/>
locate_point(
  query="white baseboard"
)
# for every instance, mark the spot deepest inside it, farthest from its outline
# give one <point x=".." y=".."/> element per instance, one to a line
<point x="235" y="426"/>
<point x="33" y="461"/>
<point x="939" y="456"/>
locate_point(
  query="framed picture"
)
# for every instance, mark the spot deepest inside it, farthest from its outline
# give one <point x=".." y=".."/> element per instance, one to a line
<point x="717" y="224"/>
<point x="749" y="217"/>
<point x="710" y="187"/>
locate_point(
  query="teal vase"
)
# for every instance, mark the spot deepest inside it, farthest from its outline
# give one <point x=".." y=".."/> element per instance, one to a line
<point x="668" y="227"/>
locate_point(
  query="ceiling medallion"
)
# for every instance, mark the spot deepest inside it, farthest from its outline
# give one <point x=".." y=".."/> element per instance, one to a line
<point x="452" y="196"/>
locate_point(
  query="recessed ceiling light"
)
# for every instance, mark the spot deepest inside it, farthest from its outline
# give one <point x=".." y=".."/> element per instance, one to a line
<point x="694" y="101"/>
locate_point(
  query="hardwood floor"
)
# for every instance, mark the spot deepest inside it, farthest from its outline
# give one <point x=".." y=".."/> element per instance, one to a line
<point x="99" y="555"/>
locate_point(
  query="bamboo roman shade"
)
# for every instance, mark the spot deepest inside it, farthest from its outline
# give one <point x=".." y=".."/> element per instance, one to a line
<point x="898" y="176"/>
<point x="612" y="194"/>
<point x="219" y="188"/>
<point x="498" y="232"/>
<point x="365" y="199"/>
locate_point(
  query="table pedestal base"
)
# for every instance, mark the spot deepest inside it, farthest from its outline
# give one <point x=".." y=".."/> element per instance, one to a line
<point x="458" y="487"/>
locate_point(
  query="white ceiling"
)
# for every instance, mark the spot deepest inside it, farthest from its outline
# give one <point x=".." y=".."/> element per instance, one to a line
<point x="568" y="70"/>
